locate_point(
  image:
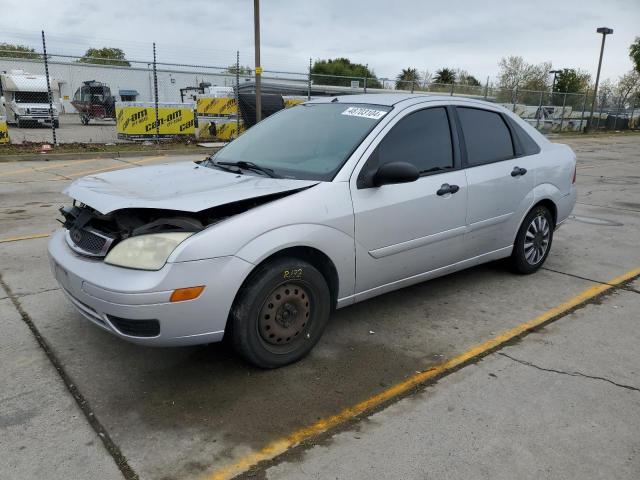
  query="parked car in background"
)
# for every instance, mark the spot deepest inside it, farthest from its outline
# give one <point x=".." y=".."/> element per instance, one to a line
<point x="319" y="206"/>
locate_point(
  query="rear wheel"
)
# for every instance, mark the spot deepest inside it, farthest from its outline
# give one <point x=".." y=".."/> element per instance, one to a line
<point x="280" y="313"/>
<point x="533" y="242"/>
<point x="84" y="119"/>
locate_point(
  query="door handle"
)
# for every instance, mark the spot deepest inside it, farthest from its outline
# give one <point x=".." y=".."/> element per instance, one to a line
<point x="517" y="171"/>
<point x="446" y="188"/>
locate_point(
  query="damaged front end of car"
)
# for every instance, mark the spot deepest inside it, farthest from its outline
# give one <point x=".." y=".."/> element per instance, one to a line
<point x="91" y="233"/>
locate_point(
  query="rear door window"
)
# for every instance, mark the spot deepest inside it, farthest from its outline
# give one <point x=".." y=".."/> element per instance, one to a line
<point x="486" y="136"/>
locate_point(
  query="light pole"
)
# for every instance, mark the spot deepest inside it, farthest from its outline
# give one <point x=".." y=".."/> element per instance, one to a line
<point x="256" y="35"/>
<point x="553" y="84"/>
<point x="604" y="31"/>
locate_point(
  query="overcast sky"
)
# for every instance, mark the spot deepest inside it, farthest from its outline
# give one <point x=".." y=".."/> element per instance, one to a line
<point x="388" y="35"/>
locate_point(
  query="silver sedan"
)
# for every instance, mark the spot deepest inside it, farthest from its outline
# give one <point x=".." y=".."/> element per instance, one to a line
<point x="317" y="207"/>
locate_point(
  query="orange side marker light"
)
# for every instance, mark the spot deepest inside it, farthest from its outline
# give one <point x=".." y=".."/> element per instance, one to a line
<point x="189" y="293"/>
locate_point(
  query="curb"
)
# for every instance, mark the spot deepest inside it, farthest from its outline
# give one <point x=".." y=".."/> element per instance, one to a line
<point x="97" y="155"/>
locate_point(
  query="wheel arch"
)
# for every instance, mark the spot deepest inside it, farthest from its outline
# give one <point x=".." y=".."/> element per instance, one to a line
<point x="312" y="255"/>
<point x="545" y="202"/>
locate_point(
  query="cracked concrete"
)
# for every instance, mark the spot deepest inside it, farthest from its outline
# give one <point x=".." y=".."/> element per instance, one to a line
<point x="545" y="407"/>
<point x="571" y="374"/>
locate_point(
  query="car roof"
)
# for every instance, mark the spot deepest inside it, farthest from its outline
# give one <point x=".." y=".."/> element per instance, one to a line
<point x="390" y="99"/>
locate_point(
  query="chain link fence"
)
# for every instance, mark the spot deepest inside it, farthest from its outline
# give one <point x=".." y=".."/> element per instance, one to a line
<point x="57" y="98"/>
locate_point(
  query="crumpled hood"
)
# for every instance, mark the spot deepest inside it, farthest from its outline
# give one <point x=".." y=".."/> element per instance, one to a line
<point x="183" y="186"/>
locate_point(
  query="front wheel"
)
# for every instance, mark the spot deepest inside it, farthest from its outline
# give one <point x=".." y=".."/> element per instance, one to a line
<point x="533" y="241"/>
<point x="280" y="313"/>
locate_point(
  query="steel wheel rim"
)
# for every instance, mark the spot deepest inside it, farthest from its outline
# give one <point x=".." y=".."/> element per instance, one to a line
<point x="536" y="239"/>
<point x="284" y="319"/>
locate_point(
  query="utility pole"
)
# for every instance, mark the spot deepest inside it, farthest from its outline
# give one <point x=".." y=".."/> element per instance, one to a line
<point x="604" y="31"/>
<point x="256" y="30"/>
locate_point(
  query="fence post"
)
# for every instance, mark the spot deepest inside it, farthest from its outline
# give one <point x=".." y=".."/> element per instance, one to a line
<point x="46" y="73"/>
<point x="486" y="88"/>
<point x="604" y="99"/>
<point x="309" y="82"/>
<point x="452" y="87"/>
<point x="615" y="120"/>
<point x="584" y="104"/>
<point x="365" y="84"/>
<point x="155" y="94"/>
<point x="633" y="109"/>
<point x="539" y="112"/>
<point x="237" y="93"/>
<point x="412" y="85"/>
<point x="514" y="95"/>
<point x="564" y="102"/>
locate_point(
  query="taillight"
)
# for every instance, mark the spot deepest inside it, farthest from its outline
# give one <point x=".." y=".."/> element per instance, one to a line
<point x="575" y="168"/>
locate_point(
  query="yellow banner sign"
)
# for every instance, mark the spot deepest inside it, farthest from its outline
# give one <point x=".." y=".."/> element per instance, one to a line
<point x="212" y="130"/>
<point x="216" y="107"/>
<point x="140" y="121"/>
<point x="4" y="132"/>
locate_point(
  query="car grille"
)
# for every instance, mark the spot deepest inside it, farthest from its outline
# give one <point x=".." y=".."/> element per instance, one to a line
<point x="40" y="112"/>
<point x="88" y="241"/>
<point x="136" y="328"/>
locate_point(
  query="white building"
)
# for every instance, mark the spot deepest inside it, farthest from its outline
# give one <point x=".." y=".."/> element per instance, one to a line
<point x="68" y="75"/>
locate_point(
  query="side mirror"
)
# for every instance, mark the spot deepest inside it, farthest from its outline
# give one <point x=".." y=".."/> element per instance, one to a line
<point x="395" y="172"/>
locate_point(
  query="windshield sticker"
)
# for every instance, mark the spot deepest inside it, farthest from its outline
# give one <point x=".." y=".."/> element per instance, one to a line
<point x="364" y="113"/>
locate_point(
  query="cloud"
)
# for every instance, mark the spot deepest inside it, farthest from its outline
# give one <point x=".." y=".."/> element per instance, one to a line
<point x="385" y="34"/>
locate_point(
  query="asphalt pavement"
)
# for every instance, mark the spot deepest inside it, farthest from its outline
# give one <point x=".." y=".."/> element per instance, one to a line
<point x="562" y="403"/>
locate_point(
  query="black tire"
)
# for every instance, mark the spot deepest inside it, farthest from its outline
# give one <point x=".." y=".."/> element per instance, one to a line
<point x="280" y="313"/>
<point x="527" y="241"/>
<point x="19" y="123"/>
<point x="56" y="124"/>
<point x="84" y="120"/>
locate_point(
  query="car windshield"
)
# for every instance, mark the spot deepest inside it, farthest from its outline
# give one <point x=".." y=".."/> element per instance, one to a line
<point x="309" y="141"/>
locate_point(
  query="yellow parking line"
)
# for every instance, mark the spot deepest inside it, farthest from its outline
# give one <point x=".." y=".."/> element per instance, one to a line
<point x="138" y="162"/>
<point x="27" y="237"/>
<point x="49" y="167"/>
<point x="281" y="445"/>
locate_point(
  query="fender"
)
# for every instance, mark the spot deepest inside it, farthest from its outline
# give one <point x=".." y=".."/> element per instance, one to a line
<point x="334" y="243"/>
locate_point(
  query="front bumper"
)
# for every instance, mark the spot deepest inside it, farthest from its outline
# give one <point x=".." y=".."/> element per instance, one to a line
<point x="107" y="295"/>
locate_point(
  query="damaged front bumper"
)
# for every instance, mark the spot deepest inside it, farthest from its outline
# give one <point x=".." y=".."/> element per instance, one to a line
<point x="135" y="304"/>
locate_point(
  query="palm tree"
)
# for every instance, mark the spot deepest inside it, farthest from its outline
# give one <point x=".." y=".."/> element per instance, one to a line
<point x="405" y="77"/>
<point x="445" y="75"/>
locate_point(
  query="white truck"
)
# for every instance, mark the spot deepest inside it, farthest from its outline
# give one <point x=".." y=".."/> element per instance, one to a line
<point x="25" y="99"/>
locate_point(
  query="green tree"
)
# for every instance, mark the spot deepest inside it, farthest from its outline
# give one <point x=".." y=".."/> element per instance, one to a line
<point x="634" y="53"/>
<point x="243" y="70"/>
<point x="445" y="75"/>
<point x="342" y="67"/>
<point x="105" y="56"/>
<point x="405" y="77"/>
<point x="17" y="51"/>
<point x="571" y="81"/>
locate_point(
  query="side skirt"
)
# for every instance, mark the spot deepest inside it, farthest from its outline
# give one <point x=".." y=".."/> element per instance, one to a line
<point x="421" y="277"/>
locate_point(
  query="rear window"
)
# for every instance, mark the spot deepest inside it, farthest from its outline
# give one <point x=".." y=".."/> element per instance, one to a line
<point x="486" y="136"/>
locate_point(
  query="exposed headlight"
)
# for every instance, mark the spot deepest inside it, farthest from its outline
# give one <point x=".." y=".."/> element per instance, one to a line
<point x="146" y="252"/>
<point x="22" y="111"/>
